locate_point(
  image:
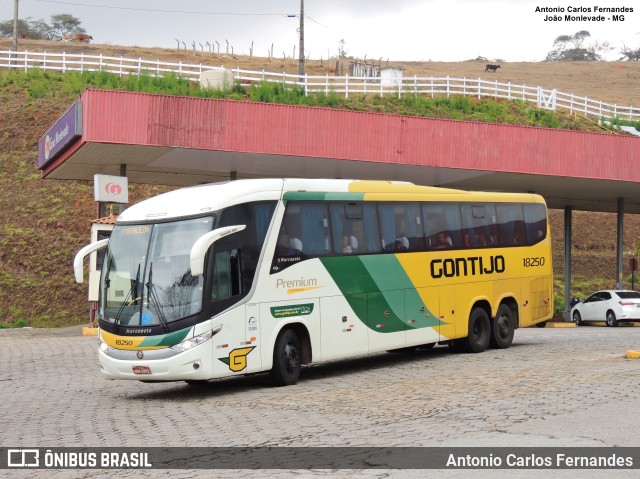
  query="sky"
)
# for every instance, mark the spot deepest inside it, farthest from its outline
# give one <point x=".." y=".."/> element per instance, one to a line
<point x="412" y="30"/>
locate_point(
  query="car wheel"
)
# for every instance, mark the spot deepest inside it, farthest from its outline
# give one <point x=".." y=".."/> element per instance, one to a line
<point x="577" y="318"/>
<point x="611" y="319"/>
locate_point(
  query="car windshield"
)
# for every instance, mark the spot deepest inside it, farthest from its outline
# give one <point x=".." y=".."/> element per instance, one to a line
<point x="628" y="294"/>
<point x="146" y="279"/>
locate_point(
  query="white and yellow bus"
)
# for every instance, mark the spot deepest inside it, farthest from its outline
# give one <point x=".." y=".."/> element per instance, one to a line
<point x="269" y="274"/>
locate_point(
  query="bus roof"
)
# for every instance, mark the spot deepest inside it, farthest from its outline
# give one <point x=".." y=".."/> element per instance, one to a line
<point x="201" y="199"/>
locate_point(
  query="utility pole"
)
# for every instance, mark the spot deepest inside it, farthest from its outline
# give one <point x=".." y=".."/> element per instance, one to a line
<point x="301" y="57"/>
<point x="14" y="45"/>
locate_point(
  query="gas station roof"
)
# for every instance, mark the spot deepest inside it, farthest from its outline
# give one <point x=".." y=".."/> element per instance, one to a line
<point x="186" y="141"/>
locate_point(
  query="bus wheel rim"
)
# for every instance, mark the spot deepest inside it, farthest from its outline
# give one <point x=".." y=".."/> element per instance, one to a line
<point x="292" y="360"/>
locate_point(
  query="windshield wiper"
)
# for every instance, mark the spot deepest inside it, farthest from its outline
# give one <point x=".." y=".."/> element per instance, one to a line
<point x="134" y="289"/>
<point x="154" y="297"/>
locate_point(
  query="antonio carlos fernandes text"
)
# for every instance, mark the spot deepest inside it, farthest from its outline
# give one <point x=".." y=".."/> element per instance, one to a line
<point x="535" y="461"/>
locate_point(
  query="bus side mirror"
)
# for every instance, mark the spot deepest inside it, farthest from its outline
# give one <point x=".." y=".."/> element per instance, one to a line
<point x="80" y="255"/>
<point x="202" y="244"/>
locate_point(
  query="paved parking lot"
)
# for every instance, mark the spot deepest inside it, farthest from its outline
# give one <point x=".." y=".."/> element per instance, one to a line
<point x="553" y="387"/>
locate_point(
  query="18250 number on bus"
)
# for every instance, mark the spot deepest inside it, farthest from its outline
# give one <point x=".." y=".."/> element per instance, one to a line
<point x="533" y="262"/>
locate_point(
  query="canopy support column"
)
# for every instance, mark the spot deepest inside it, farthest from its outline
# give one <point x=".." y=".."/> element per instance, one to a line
<point x="568" y="210"/>
<point x="620" y="245"/>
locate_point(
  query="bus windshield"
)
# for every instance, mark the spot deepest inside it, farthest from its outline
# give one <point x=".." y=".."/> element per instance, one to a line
<point x="146" y="279"/>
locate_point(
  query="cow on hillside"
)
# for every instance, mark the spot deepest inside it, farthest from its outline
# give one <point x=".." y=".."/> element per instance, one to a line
<point x="491" y="68"/>
<point x="76" y="37"/>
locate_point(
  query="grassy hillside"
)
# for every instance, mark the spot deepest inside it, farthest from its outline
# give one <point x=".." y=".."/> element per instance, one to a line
<point x="46" y="221"/>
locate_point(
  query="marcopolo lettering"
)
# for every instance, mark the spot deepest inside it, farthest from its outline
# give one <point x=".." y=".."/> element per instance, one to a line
<point x="471" y="266"/>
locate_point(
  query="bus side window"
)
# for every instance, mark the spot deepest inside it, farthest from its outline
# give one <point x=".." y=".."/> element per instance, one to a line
<point x="476" y="220"/>
<point x="234" y="258"/>
<point x="442" y="225"/>
<point x="510" y="224"/>
<point x="491" y="225"/>
<point x="535" y="219"/>
<point x="226" y="275"/>
<point x="343" y="220"/>
<point x="306" y="226"/>
<point x="401" y="227"/>
<point x="468" y="234"/>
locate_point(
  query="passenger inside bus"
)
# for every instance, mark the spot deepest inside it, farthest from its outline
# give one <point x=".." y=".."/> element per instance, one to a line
<point x="286" y="246"/>
<point x="402" y="243"/>
<point x="441" y="241"/>
<point x="346" y="247"/>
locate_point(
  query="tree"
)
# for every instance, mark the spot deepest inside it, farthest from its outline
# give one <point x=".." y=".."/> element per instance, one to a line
<point x="630" y="54"/>
<point x="65" y="23"/>
<point x="40" y="30"/>
<point x="27" y="28"/>
<point x="579" y="37"/>
<point x="342" y="51"/>
<point x="570" y="48"/>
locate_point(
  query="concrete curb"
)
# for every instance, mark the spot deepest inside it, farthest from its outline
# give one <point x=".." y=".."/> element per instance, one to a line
<point x="560" y="325"/>
<point x="89" y="331"/>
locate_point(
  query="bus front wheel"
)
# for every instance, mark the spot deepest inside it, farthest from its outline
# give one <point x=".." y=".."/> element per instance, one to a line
<point x="286" y="359"/>
<point x="479" y="333"/>
<point x="502" y="328"/>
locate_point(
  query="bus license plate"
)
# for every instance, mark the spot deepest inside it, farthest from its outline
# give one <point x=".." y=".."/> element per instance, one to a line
<point x="141" y="370"/>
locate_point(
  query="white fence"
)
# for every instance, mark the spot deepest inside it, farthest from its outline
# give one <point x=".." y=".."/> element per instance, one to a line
<point x="346" y="85"/>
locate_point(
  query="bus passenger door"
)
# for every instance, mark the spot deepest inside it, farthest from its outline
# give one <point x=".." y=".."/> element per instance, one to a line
<point x="343" y="330"/>
<point x="233" y="346"/>
<point x="386" y="320"/>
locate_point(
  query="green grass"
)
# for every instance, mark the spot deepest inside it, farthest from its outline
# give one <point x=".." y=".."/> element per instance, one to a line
<point x="621" y="122"/>
<point x="39" y="84"/>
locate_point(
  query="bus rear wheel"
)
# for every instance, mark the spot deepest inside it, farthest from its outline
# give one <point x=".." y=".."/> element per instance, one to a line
<point x="286" y="359"/>
<point x="479" y="333"/>
<point x="502" y="328"/>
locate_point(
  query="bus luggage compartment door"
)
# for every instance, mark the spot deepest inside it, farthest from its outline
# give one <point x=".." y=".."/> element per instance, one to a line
<point x="423" y="316"/>
<point x="343" y="331"/>
<point x="385" y="319"/>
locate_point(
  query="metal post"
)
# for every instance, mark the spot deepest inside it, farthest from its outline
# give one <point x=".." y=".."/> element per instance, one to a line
<point x="14" y="45"/>
<point x="301" y="53"/>
<point x="620" y="244"/>
<point x="567" y="262"/>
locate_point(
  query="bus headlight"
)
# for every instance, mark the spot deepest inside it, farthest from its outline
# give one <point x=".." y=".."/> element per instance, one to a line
<point x="193" y="342"/>
<point x="104" y="347"/>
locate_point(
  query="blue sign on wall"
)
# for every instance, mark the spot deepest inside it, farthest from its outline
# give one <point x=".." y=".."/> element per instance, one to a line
<point x="60" y="135"/>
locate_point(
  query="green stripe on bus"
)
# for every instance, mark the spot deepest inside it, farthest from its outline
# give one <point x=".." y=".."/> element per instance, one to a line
<point x="389" y="291"/>
<point x="166" y="339"/>
<point x="390" y="276"/>
<point x="321" y="196"/>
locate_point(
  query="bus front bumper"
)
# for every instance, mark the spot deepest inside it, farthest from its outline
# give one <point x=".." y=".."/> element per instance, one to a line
<point x="195" y="364"/>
